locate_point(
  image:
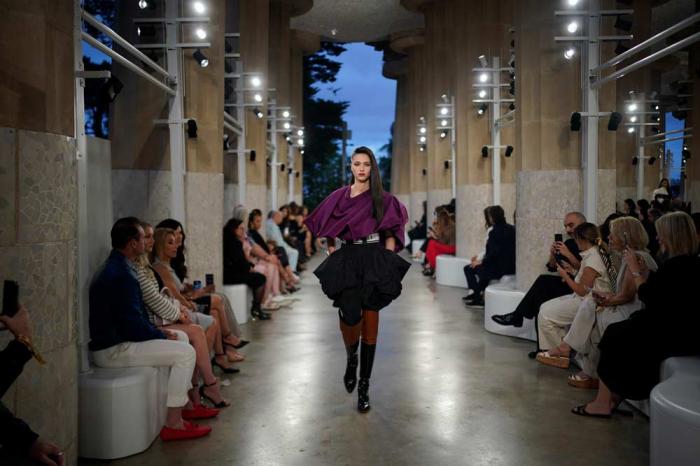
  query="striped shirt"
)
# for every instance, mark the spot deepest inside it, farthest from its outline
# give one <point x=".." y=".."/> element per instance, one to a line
<point x="158" y="306"/>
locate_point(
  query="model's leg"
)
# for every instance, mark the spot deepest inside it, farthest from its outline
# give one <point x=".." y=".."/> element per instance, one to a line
<point x="351" y="338"/>
<point x="370" y="328"/>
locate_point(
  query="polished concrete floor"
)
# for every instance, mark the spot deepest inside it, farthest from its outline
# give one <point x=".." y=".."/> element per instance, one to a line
<point x="443" y="391"/>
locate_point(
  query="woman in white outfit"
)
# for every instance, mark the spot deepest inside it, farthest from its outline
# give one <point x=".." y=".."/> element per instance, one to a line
<point x="595" y="273"/>
<point x="605" y="308"/>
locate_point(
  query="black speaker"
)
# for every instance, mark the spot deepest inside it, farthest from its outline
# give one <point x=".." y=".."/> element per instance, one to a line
<point x="614" y="122"/>
<point x="575" y="122"/>
<point x="252" y="155"/>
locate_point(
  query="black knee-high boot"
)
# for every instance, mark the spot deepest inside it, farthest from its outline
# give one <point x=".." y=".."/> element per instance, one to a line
<point x="350" y="377"/>
<point x="366" y="361"/>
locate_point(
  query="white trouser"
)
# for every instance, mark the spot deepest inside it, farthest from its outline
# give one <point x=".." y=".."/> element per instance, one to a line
<point x="178" y="355"/>
<point x="554" y="317"/>
<point x="293" y="256"/>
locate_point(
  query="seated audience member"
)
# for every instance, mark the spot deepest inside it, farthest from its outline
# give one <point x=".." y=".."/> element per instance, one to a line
<point x="255" y="222"/>
<point x="298" y="235"/>
<point x="273" y="232"/>
<point x="548" y="287"/>
<point x="420" y="229"/>
<point x="203" y="296"/>
<point x="643" y="207"/>
<point x="629" y="208"/>
<point x="122" y="336"/>
<point x="443" y="241"/>
<point x="476" y="260"/>
<point x="166" y="312"/>
<point x="596" y="272"/>
<point x="631" y="351"/>
<point x="237" y="268"/>
<point x="696" y="221"/>
<point x="605" y="227"/>
<point x="499" y="258"/>
<point x="649" y="225"/>
<point x="598" y="311"/>
<point x="164" y="249"/>
<point x="19" y="442"/>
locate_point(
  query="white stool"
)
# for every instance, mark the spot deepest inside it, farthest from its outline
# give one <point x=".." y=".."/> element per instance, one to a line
<point x="416" y="244"/>
<point x="675" y="413"/>
<point x="241" y="298"/>
<point x="449" y="271"/>
<point x="502" y="298"/>
<point x="121" y="411"/>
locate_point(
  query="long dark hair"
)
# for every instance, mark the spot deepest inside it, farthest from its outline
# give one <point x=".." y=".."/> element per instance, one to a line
<point x="253" y="213"/>
<point x="178" y="262"/>
<point x="375" y="183"/>
<point x="497" y="215"/>
<point x="231" y="227"/>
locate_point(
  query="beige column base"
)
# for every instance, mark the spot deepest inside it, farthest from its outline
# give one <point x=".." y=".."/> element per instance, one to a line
<point x="141" y="193"/>
<point x="693" y="195"/>
<point x="543" y="198"/>
<point x="607" y="194"/>
<point x="256" y="198"/>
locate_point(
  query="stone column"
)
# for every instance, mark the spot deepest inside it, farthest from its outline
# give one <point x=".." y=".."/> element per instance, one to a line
<point x="38" y="208"/>
<point x="692" y="168"/>
<point x="548" y="180"/>
<point x="402" y="131"/>
<point x="255" y="33"/>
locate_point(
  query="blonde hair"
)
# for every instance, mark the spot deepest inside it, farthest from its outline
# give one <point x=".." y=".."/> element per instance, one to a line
<point x="631" y="232"/>
<point x="160" y="236"/>
<point x="678" y="232"/>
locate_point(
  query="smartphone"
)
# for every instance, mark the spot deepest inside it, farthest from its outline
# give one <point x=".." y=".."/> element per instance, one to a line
<point x="625" y="239"/>
<point x="209" y="279"/>
<point x="10" y="298"/>
<point x="558" y="238"/>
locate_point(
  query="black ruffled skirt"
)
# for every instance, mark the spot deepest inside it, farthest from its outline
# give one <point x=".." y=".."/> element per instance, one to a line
<point x="361" y="276"/>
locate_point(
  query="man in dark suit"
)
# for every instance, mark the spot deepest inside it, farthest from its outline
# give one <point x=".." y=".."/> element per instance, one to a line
<point x="499" y="259"/>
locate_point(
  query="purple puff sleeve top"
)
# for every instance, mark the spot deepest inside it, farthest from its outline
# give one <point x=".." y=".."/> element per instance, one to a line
<point x="350" y="218"/>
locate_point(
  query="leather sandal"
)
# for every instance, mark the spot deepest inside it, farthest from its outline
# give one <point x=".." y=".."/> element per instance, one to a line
<point x="547" y="359"/>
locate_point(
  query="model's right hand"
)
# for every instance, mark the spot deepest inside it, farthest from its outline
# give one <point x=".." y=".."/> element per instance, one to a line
<point x="331" y="250"/>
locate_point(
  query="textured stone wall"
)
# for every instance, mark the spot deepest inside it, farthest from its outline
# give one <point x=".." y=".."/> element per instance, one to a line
<point x="38" y="212"/>
<point x="141" y="193"/>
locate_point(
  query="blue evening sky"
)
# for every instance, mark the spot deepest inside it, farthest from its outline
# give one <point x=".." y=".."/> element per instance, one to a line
<point x="372" y="97"/>
<point x="674" y="146"/>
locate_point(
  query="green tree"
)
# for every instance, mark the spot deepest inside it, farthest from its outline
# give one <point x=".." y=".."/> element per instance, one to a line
<point x="384" y="162"/>
<point x="323" y="123"/>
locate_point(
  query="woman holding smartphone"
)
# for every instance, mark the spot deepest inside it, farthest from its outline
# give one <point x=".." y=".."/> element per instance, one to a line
<point x="365" y="274"/>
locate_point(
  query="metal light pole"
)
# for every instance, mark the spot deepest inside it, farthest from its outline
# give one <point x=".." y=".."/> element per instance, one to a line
<point x="175" y="116"/>
<point x="590" y="58"/>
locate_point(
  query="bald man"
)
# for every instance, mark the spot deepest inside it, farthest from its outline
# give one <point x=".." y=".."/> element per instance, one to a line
<point x="548" y="287"/>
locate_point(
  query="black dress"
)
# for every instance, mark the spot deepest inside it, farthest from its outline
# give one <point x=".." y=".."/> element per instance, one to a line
<point x="237" y="269"/>
<point x="631" y="351"/>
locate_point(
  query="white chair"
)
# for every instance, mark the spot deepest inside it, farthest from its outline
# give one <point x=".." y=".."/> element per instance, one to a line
<point x="449" y="271"/>
<point x="120" y="411"/>
<point x="675" y="414"/>
<point x="501" y="298"/>
<point x="241" y="299"/>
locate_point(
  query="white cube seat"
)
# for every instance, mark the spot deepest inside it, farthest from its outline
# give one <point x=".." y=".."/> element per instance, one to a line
<point x="241" y="299"/>
<point x="449" y="271"/>
<point x="501" y="298"/>
<point x="416" y="244"/>
<point x="120" y="411"/>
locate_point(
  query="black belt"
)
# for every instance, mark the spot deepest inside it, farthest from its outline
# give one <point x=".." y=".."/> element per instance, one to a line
<point x="371" y="239"/>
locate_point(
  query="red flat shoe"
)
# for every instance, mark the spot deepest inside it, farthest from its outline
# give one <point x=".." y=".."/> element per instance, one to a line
<point x="191" y="431"/>
<point x="200" y="412"/>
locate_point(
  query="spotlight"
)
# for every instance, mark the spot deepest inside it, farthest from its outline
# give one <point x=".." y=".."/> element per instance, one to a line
<point x="192" y="129"/>
<point x="285" y="114"/>
<point x="483" y="62"/>
<point x="511" y="89"/>
<point x="290" y="171"/>
<point x="623" y="24"/>
<point x="443" y="123"/>
<point x="482" y="109"/>
<point x="111" y="88"/>
<point x="572" y="27"/>
<point x="444" y="111"/>
<point x="143" y="4"/>
<point x="228" y="68"/>
<point x="569" y="53"/>
<point x="423" y="130"/>
<point x="257" y="97"/>
<point x="630" y="129"/>
<point x="484" y="152"/>
<point x="443" y="134"/>
<point x="297" y="175"/>
<point x="632" y="107"/>
<point x="283" y="168"/>
<point x="227" y="142"/>
<point x="652" y="159"/>
<point x="258" y="114"/>
<point x="633" y="119"/>
<point x="446" y="164"/>
<point x="575" y="121"/>
<point x="511" y="106"/>
<point x="421" y="148"/>
<point x="201" y="58"/>
<point x="483" y="77"/>
<point x="146" y="30"/>
<point x="301" y="151"/>
<point x="423" y="139"/>
<point x="685" y="153"/>
<point x="287" y="125"/>
<point x="425" y="171"/>
<point x="482" y="94"/>
<point x="300" y="142"/>
<point x="198" y="7"/>
<point x="255" y="81"/>
<point x="655" y="107"/>
<point x="614" y="121"/>
<point x="509" y="151"/>
<point x="572" y="2"/>
<point x="620" y="49"/>
<point x="201" y="33"/>
<point x="635" y="160"/>
<point x="300" y="132"/>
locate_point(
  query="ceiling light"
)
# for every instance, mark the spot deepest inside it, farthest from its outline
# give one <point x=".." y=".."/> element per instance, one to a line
<point x="444" y="111"/>
<point x="258" y="113"/>
<point x="569" y="53"/>
<point x="300" y="132"/>
<point x="483" y="77"/>
<point x="423" y="139"/>
<point x="633" y="119"/>
<point x="443" y="123"/>
<point x="443" y="134"/>
<point x="198" y="7"/>
<point x="257" y="97"/>
<point x="300" y="142"/>
<point x="572" y="27"/>
<point x="482" y="109"/>
<point x="255" y="81"/>
<point x="287" y="125"/>
<point x="423" y="130"/>
<point x="572" y="2"/>
<point x="630" y="129"/>
<point x="482" y="94"/>
<point x="143" y="4"/>
<point x="482" y="61"/>
<point x="201" y="58"/>
<point x="201" y="33"/>
<point x="421" y="148"/>
<point x="632" y="107"/>
<point x="285" y="114"/>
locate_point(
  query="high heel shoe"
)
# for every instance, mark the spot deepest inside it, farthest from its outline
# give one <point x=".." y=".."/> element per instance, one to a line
<point x="220" y="404"/>
<point x="227" y="370"/>
<point x="259" y="314"/>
